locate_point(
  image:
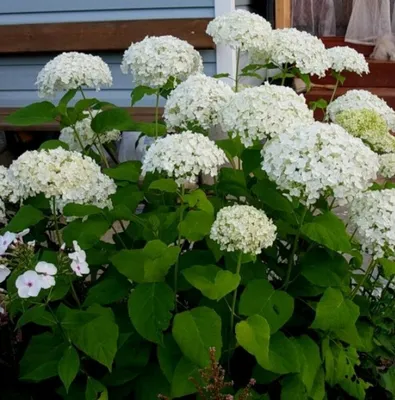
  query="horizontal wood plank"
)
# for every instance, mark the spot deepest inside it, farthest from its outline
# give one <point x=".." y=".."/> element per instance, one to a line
<point x="333" y="41"/>
<point x="139" y="114"/>
<point x="98" y="36"/>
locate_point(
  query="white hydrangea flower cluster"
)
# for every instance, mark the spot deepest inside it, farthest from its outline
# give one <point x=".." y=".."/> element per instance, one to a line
<point x="298" y="48"/>
<point x="5" y="191"/>
<point x="368" y="125"/>
<point x="319" y="159"/>
<point x="240" y="29"/>
<point x="183" y="156"/>
<point x="387" y="165"/>
<point x="72" y="70"/>
<point x="3" y="217"/>
<point x="373" y="215"/>
<point x="157" y="58"/>
<point x="197" y="101"/>
<point x="86" y="134"/>
<point x="67" y="176"/>
<point x="265" y="111"/>
<point x="243" y="228"/>
<point x="344" y="58"/>
<point x="362" y="99"/>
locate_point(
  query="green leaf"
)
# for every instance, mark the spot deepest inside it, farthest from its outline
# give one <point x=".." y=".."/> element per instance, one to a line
<point x="150" y="306"/>
<point x="232" y="147"/>
<point x="33" y="114"/>
<point x="181" y="384"/>
<point x="388" y="267"/>
<point x="329" y="230"/>
<point x="325" y="269"/>
<point x="310" y="360"/>
<point x="270" y="196"/>
<point x="196" y="225"/>
<point x="95" y="390"/>
<point x="65" y="100"/>
<point x="223" y="75"/>
<point x="259" y="297"/>
<point x="26" y="217"/>
<point x="113" y="118"/>
<point x="150" y="264"/>
<point x="41" y="357"/>
<point x="318" y="391"/>
<point x="53" y="144"/>
<point x="212" y="281"/>
<point x="197" y="330"/>
<point x="84" y="104"/>
<point x="140" y="91"/>
<point x="127" y="171"/>
<point x="198" y="199"/>
<point x="253" y="335"/>
<point x="388" y="380"/>
<point x="80" y="210"/>
<point x="292" y="388"/>
<point x="164" y="185"/>
<point x="37" y="315"/>
<point x="252" y="159"/>
<point x="335" y="312"/>
<point x="151" y="383"/>
<point x="169" y="355"/>
<point x="68" y="367"/>
<point x="283" y="355"/>
<point x="128" y="196"/>
<point x="98" y="338"/>
<point x="232" y="182"/>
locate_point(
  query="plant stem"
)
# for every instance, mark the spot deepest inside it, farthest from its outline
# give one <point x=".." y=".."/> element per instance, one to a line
<point x="369" y="270"/>
<point x="74" y="293"/>
<point x="232" y="312"/>
<point x="111" y="153"/>
<point x="176" y="267"/>
<point x="157" y="115"/>
<point x="332" y="98"/>
<point x="237" y="69"/>
<point x="58" y="237"/>
<point x="99" y="148"/>
<point x="293" y="251"/>
<point x="284" y="75"/>
<point x="77" y="136"/>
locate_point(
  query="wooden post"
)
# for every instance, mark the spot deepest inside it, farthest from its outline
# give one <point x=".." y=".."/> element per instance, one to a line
<point x="283" y="13"/>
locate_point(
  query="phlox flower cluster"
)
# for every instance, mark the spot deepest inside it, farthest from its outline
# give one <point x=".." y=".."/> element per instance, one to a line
<point x="317" y="160"/>
<point x="344" y="58"/>
<point x="78" y="260"/>
<point x="243" y="228"/>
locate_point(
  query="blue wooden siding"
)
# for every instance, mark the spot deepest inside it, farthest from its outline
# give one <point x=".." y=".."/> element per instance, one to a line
<point x="18" y="76"/>
<point x="47" y="11"/>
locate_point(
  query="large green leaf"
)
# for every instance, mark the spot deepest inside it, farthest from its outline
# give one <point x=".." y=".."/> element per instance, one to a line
<point x="388" y="267"/>
<point x="211" y="280"/>
<point x="53" y="144"/>
<point x="127" y="171"/>
<point x="140" y="91"/>
<point x="151" y="383"/>
<point x="41" y="357"/>
<point x="232" y="182"/>
<point x="150" y="306"/>
<point x="169" y="355"/>
<point x="33" y="114"/>
<point x="150" y="264"/>
<point x="329" y="230"/>
<point x="181" y="384"/>
<point x="37" y="315"/>
<point x="128" y="196"/>
<point x="196" y="331"/>
<point x="388" y="380"/>
<point x="69" y="366"/>
<point x="196" y="225"/>
<point x="113" y="118"/>
<point x="253" y="335"/>
<point x="270" y="196"/>
<point x="98" y="338"/>
<point x="80" y="210"/>
<point x="198" y="200"/>
<point x="324" y="269"/>
<point x="335" y="312"/>
<point x="232" y="147"/>
<point x="259" y="297"/>
<point x="164" y="185"/>
<point x="26" y="217"/>
<point x="292" y="388"/>
<point x="318" y="391"/>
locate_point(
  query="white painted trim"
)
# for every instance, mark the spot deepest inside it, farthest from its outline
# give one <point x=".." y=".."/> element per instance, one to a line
<point x="226" y="57"/>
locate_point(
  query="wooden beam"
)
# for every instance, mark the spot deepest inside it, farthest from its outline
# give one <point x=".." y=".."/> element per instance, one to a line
<point x="139" y="114"/>
<point x="98" y="36"/>
<point x="283" y="14"/>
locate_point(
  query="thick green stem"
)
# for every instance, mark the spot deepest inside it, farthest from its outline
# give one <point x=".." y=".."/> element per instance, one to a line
<point x="294" y="250"/>
<point x="369" y="270"/>
<point x="157" y="115"/>
<point x="55" y="217"/>
<point x="326" y="118"/>
<point x="77" y="136"/>
<point x="176" y="267"/>
<point x="237" y="70"/>
<point x="74" y="294"/>
<point x="233" y="309"/>
<point x="284" y="73"/>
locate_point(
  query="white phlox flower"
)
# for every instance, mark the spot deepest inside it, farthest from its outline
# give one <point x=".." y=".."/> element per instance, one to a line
<point x="78" y="260"/>
<point x="4" y="272"/>
<point x="67" y="176"/>
<point x="362" y="99"/>
<point x="263" y="112"/>
<point x="28" y="284"/>
<point x="86" y="134"/>
<point x="156" y="59"/>
<point x="183" y="156"/>
<point x="387" y="165"/>
<point x="240" y="29"/>
<point x="71" y="71"/>
<point x="344" y="58"/>
<point x="310" y="161"/>
<point x="243" y="228"/>
<point x="6" y="240"/>
<point x="372" y="213"/>
<point x="197" y="101"/>
<point x="46" y="271"/>
<point x="295" y="48"/>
